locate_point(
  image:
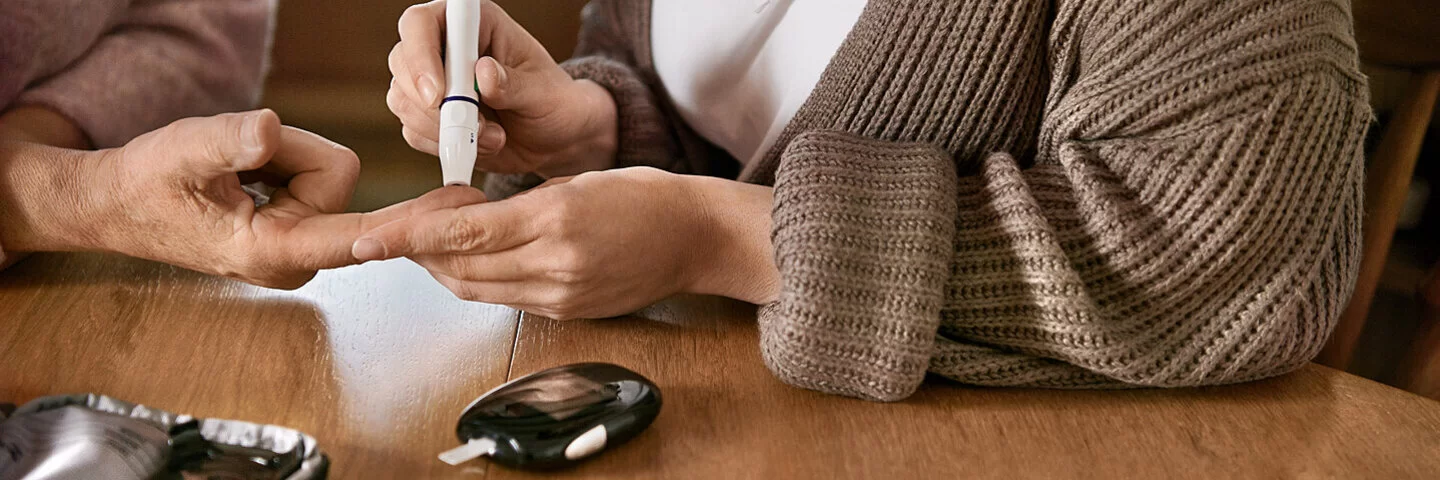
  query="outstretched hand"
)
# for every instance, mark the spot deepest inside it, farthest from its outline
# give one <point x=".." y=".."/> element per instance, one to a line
<point x="596" y="245"/>
<point x="174" y="195"/>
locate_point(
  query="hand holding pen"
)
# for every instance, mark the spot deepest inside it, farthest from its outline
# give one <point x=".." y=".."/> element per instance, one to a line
<point x="539" y="119"/>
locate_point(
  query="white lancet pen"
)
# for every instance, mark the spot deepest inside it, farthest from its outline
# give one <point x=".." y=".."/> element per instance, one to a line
<point x="460" y="111"/>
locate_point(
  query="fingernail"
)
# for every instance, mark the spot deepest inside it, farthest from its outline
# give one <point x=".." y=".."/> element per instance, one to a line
<point x="427" y="87"/>
<point x="250" y="132"/>
<point x="367" y="249"/>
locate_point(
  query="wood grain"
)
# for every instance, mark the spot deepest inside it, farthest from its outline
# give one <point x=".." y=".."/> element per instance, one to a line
<point x="377" y="361"/>
<point x="725" y="416"/>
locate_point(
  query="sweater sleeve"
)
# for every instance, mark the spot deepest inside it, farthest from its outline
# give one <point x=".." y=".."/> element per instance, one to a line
<point x="614" y="52"/>
<point x="166" y="59"/>
<point x="1192" y="218"/>
<point x="41" y="37"/>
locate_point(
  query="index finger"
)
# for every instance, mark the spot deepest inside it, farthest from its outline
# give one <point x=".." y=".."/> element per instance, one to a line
<point x="483" y="228"/>
<point x="325" y="241"/>
<point x="422" y="31"/>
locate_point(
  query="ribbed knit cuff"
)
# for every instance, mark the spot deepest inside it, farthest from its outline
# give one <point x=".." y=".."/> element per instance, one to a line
<point x="863" y="236"/>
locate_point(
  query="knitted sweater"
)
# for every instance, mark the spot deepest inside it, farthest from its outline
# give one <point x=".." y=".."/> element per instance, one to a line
<point x="1072" y="193"/>
<point x="120" y="68"/>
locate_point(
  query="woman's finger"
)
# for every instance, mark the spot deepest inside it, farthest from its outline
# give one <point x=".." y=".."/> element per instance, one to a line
<point x="484" y="228"/>
<point x="422" y="29"/>
<point x="325" y="241"/>
<point x="420" y="142"/>
<point x="411" y="114"/>
<point x="497" y="293"/>
<point x="508" y="266"/>
<point x="491" y="139"/>
<point x="401" y="78"/>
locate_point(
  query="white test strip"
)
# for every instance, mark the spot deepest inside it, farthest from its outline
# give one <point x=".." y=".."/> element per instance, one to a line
<point x="475" y="448"/>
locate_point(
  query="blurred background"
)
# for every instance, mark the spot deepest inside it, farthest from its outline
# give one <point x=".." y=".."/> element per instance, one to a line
<point x="329" y="75"/>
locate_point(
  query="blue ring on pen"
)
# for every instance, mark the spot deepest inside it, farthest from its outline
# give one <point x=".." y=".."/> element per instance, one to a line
<point x="461" y="98"/>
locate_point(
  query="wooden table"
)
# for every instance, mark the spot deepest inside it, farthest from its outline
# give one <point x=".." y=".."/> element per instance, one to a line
<point x="376" y="361"/>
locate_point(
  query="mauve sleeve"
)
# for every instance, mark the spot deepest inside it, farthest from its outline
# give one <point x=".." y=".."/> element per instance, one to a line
<point x="162" y="61"/>
<point x="41" y="37"/>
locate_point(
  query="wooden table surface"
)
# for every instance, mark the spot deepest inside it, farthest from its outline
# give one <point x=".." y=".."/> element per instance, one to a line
<point x="376" y="362"/>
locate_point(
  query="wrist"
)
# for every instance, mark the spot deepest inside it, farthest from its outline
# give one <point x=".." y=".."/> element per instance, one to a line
<point x="46" y="201"/>
<point x="595" y="147"/>
<point x="735" y="257"/>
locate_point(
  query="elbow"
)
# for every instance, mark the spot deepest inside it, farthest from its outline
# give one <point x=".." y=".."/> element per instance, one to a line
<point x="1281" y="342"/>
<point x="1276" y="326"/>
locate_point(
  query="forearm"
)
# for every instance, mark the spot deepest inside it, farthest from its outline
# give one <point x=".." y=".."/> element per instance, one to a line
<point x="34" y="125"/>
<point x="739" y="258"/>
<point x="44" y="205"/>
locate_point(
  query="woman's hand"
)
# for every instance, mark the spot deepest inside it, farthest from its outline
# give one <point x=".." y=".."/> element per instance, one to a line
<point x="548" y="123"/>
<point x="596" y="245"/>
<point x="174" y="195"/>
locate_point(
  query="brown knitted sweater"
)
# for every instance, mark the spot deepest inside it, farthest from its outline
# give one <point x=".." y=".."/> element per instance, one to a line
<point x="1071" y="193"/>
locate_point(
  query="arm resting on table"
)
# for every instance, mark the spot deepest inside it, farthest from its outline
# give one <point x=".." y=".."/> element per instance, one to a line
<point x="1193" y="218"/>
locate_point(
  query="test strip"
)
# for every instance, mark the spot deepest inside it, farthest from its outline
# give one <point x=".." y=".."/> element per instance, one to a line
<point x="471" y="450"/>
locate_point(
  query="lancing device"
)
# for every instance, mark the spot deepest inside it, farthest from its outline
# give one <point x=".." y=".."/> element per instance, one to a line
<point x="460" y="112"/>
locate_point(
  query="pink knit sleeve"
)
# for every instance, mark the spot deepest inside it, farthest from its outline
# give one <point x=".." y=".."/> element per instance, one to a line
<point x="166" y="59"/>
<point x="41" y="37"/>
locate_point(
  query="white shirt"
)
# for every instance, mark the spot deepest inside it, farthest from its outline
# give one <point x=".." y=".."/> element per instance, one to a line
<point x="738" y="70"/>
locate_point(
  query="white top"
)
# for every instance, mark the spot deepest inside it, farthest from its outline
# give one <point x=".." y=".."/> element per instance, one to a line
<point x="738" y="70"/>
